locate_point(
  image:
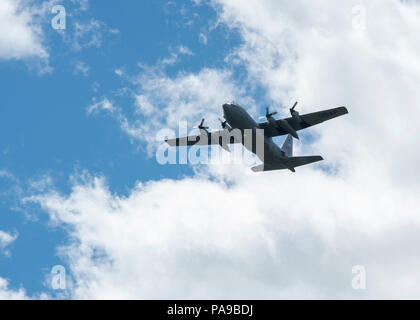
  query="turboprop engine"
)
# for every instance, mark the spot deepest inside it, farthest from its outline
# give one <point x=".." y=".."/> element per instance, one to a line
<point x="282" y="124"/>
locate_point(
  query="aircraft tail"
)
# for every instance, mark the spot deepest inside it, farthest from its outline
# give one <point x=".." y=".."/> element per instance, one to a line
<point x="288" y="162"/>
<point x="287" y="146"/>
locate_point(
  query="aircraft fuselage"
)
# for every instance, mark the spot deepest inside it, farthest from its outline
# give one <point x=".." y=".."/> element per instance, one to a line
<point x="238" y="118"/>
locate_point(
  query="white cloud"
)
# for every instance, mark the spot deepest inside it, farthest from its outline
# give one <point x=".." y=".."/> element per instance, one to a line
<point x="6" y="174"/>
<point x="203" y="38"/>
<point x="83" y="4"/>
<point x="259" y="236"/>
<point x="81" y="68"/>
<point x="313" y="54"/>
<point x="6" y="239"/>
<point x="119" y="72"/>
<point x="166" y="100"/>
<point x="19" y="36"/>
<point x="114" y="31"/>
<point x="9" y="294"/>
<point x="228" y="233"/>
<point x="185" y="50"/>
<point x="188" y="97"/>
<point x="104" y="105"/>
<point x="87" y="34"/>
<point x="23" y="26"/>
<point x="174" y="57"/>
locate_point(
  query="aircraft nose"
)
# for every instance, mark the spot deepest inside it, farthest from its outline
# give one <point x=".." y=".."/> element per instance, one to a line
<point x="227" y="109"/>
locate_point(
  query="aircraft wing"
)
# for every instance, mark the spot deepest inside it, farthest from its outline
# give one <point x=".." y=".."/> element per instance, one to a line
<point x="306" y="120"/>
<point x="221" y="137"/>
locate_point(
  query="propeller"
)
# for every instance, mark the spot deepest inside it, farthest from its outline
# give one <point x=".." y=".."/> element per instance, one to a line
<point x="282" y="123"/>
<point x="201" y="125"/>
<point x="223" y="123"/>
<point x="269" y="114"/>
<point x="292" y="109"/>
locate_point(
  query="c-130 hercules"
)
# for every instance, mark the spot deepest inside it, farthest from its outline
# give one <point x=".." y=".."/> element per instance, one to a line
<point x="239" y="125"/>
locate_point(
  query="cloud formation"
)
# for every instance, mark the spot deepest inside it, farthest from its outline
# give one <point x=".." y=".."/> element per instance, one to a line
<point x="20" y="37"/>
<point x="9" y="294"/>
<point x="5" y="240"/>
<point x="161" y="101"/>
<point x="314" y="53"/>
<point x="228" y="233"/>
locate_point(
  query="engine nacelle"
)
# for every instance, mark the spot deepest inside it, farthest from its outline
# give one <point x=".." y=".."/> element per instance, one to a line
<point x="272" y="121"/>
<point x="283" y="124"/>
<point x="296" y="116"/>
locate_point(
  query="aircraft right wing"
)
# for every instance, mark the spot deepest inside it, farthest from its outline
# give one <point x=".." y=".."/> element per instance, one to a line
<point x="305" y="121"/>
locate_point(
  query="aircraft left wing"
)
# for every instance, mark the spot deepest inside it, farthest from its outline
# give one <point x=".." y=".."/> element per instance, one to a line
<point x="221" y="137"/>
<point x="302" y="122"/>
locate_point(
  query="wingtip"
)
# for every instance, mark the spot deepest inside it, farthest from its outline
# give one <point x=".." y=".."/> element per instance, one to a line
<point x="167" y="141"/>
<point x="345" y="109"/>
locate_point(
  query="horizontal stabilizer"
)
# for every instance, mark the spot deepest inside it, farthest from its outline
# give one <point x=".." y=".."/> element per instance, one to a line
<point x="293" y="162"/>
<point x="287" y="163"/>
<point x="259" y="168"/>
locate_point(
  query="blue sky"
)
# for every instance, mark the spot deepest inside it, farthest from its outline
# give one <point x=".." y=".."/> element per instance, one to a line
<point x="45" y="129"/>
<point x="80" y="185"/>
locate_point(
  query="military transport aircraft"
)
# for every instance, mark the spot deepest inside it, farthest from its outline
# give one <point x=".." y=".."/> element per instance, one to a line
<point x="238" y="122"/>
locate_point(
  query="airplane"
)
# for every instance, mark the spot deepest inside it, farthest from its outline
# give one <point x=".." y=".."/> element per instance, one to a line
<point x="237" y="122"/>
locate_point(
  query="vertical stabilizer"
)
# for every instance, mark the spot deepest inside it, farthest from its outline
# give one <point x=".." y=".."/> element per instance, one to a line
<point x="287" y="146"/>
